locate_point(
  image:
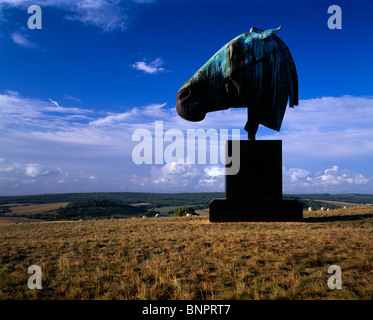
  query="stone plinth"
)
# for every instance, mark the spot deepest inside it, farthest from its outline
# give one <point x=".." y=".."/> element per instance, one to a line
<point x="255" y="192"/>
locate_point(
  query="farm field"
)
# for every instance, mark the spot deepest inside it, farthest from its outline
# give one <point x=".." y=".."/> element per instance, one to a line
<point x="29" y="209"/>
<point x="177" y="258"/>
<point x="20" y="212"/>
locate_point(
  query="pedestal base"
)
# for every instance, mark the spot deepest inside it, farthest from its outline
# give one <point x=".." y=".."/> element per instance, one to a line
<point x="227" y="210"/>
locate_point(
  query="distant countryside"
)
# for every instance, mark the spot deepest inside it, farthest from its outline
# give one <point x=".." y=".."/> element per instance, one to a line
<point x="132" y="246"/>
<point x="76" y="206"/>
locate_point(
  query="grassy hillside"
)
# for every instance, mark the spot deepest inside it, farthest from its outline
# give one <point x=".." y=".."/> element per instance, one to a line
<point x="191" y="258"/>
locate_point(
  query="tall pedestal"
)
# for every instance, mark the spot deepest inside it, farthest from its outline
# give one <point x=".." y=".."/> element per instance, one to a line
<point x="255" y="192"/>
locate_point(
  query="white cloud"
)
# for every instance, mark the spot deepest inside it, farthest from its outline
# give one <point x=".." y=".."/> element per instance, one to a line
<point x="337" y="177"/>
<point x="140" y="114"/>
<point x="328" y="127"/>
<point x="108" y="15"/>
<point x="215" y="184"/>
<point x="331" y="180"/>
<point x="34" y="170"/>
<point x="155" y="110"/>
<point x="215" y="171"/>
<point x="175" y="168"/>
<point x="55" y="103"/>
<point x="40" y="140"/>
<point x="296" y="174"/>
<point x="113" y="118"/>
<point x="179" y="177"/>
<point x="24" y="115"/>
<point x="12" y="93"/>
<point x="6" y="168"/>
<point x="21" y="171"/>
<point x="150" y="68"/>
<point x="22" y="41"/>
<point x="60" y="109"/>
<point x="66" y="96"/>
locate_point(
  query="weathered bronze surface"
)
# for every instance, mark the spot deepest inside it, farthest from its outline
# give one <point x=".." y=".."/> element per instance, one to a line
<point x="254" y="70"/>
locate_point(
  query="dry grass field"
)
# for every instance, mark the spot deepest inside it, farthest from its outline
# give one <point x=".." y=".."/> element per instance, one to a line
<point x="191" y="258"/>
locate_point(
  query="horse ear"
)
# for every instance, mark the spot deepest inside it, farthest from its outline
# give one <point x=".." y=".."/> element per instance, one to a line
<point x="268" y="33"/>
<point x="256" y="30"/>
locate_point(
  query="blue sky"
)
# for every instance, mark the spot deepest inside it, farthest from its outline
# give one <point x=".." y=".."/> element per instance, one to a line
<point x="73" y="93"/>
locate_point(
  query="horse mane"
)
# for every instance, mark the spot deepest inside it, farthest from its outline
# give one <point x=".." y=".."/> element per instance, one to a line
<point x="279" y="85"/>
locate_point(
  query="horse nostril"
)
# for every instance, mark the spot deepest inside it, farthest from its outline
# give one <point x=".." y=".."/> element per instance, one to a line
<point x="185" y="93"/>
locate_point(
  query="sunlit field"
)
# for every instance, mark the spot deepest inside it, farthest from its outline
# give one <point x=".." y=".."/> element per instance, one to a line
<point x="191" y="258"/>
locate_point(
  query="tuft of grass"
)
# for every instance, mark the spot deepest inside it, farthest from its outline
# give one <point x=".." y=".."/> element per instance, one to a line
<point x="179" y="258"/>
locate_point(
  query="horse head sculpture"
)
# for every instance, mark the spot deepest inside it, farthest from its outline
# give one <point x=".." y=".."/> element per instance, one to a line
<point x="255" y="71"/>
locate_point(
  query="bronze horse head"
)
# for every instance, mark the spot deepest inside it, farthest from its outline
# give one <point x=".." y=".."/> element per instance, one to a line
<point x="255" y="70"/>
